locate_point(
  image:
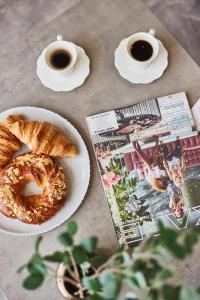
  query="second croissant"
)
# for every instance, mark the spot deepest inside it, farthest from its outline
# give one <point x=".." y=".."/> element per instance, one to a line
<point x="41" y="137"/>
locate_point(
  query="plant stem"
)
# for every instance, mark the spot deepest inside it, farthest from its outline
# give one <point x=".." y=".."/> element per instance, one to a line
<point x="79" y="284"/>
<point x="70" y="272"/>
<point x="51" y="269"/>
<point x="74" y="266"/>
<point x="99" y="270"/>
<point x="67" y="279"/>
<point x="146" y="256"/>
<point x="78" y="292"/>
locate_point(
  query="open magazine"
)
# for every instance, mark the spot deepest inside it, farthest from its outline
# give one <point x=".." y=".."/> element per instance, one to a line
<point x="148" y="156"/>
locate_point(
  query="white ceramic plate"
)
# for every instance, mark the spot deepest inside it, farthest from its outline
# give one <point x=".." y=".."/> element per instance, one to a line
<point x="154" y="72"/>
<point x="68" y="83"/>
<point x="77" y="169"/>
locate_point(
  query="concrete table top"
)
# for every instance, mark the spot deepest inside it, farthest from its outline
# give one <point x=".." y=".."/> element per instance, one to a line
<point x="97" y="26"/>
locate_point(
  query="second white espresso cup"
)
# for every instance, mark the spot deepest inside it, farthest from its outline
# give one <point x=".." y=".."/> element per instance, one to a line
<point x="64" y="47"/>
<point x="150" y="39"/>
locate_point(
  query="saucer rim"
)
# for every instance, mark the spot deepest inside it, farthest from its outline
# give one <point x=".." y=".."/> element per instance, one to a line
<point x="156" y="74"/>
<point x="49" y="81"/>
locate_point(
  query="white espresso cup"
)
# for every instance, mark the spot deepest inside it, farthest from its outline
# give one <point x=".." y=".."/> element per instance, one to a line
<point x="148" y="37"/>
<point x="60" y="57"/>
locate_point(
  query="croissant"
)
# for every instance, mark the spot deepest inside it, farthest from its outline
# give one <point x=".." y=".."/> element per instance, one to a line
<point x="42" y="137"/>
<point x="9" y="144"/>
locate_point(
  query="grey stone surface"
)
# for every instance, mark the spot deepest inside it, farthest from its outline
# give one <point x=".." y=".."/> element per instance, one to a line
<point x="18" y="18"/>
<point x="98" y="26"/>
<point x="182" y="19"/>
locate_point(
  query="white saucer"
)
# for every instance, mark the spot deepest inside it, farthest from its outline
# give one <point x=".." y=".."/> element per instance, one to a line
<point x="122" y="63"/>
<point x="68" y="83"/>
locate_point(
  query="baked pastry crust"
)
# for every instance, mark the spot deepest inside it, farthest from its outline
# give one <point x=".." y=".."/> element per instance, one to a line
<point x="33" y="209"/>
<point x="42" y="137"/>
<point x="9" y="144"/>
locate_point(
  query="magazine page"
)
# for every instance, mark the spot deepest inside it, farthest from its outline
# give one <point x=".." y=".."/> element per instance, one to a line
<point x="148" y="156"/>
<point x="196" y="114"/>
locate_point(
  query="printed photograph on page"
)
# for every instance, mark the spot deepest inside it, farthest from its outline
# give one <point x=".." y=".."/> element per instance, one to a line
<point x="148" y="156"/>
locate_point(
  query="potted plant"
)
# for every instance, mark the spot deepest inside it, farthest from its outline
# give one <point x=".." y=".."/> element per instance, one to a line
<point x="146" y="272"/>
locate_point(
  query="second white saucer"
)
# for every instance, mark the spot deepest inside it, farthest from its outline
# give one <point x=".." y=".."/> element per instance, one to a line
<point x="68" y="83"/>
<point x="155" y="71"/>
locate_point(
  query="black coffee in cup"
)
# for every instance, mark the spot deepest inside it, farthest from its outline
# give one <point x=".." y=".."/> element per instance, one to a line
<point x="141" y="50"/>
<point x="60" y="59"/>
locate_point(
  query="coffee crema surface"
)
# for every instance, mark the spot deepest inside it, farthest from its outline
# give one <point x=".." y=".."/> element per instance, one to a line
<point x="60" y="59"/>
<point x="141" y="50"/>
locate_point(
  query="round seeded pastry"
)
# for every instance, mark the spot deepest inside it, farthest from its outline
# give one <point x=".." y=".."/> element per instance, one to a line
<point x="33" y="209"/>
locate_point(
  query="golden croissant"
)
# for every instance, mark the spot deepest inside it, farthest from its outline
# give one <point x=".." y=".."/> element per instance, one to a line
<point x="42" y="137"/>
<point x="9" y="144"/>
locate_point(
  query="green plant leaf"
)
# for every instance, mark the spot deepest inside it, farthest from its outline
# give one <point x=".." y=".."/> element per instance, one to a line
<point x="97" y="260"/>
<point x="36" y="259"/>
<point x="178" y="251"/>
<point x="153" y="294"/>
<point x="37" y="244"/>
<point x="92" y="284"/>
<point x="164" y="275"/>
<point x="188" y="293"/>
<point x="36" y="265"/>
<point x="139" y="276"/>
<point x="126" y="257"/>
<point x="66" y="259"/>
<point x="94" y="297"/>
<point x="79" y="254"/>
<point x="162" y="251"/>
<point x="171" y="292"/>
<point x="130" y="296"/>
<point x="85" y="266"/>
<point x="65" y="239"/>
<point x="71" y="228"/>
<point x="105" y="276"/>
<point x="169" y="237"/>
<point x="57" y="256"/>
<point x="110" y="285"/>
<point x="190" y="240"/>
<point x="33" y="281"/>
<point x="89" y="244"/>
<point x="35" y="268"/>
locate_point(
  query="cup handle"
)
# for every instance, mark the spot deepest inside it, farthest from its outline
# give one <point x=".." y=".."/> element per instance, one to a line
<point x="59" y="37"/>
<point x="152" y="31"/>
